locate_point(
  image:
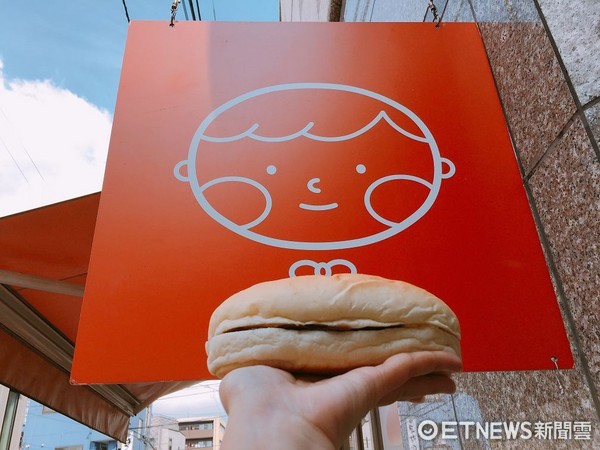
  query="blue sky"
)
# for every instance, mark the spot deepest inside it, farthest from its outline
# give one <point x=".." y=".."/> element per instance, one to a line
<point x="79" y="44"/>
<point x="60" y="64"/>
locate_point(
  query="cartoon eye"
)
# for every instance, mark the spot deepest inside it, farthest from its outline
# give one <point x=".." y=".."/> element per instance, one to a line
<point x="360" y="168"/>
<point x="271" y="169"/>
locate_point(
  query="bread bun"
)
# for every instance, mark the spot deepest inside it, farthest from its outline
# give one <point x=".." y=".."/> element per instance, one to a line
<point x="327" y="324"/>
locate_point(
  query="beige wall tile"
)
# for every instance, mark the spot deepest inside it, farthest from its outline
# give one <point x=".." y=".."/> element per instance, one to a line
<point x="566" y="188"/>
<point x="305" y="10"/>
<point x="531" y="396"/>
<point x="575" y="27"/>
<point x="593" y="117"/>
<point x="531" y="85"/>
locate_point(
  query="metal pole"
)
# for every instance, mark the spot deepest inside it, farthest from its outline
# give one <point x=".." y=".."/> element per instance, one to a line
<point x="8" y="421"/>
<point x="376" y="429"/>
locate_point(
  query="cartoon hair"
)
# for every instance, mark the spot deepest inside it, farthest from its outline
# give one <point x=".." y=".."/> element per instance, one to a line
<point x="253" y="131"/>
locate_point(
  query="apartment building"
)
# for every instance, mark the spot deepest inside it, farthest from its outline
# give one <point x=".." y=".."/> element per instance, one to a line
<point x="202" y="432"/>
<point x="165" y="434"/>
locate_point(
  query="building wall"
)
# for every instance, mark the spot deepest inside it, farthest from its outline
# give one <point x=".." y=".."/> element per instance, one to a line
<point x="19" y="420"/>
<point x="210" y="428"/>
<point x="165" y="434"/>
<point x="545" y="57"/>
<point x="45" y="429"/>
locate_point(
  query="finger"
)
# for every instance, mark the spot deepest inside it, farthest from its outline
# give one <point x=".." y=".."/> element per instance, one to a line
<point x="397" y="370"/>
<point x="422" y="363"/>
<point x="371" y="384"/>
<point x="420" y="387"/>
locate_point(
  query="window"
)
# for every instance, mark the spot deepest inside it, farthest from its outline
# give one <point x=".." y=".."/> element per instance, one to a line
<point x="196" y="426"/>
<point x="200" y="443"/>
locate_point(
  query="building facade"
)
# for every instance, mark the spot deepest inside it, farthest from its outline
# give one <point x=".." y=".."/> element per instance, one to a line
<point x="202" y="432"/>
<point x="165" y="434"/>
<point x="45" y="429"/>
<point x="12" y="417"/>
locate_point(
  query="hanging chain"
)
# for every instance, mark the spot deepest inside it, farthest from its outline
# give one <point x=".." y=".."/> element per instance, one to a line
<point x="433" y="9"/>
<point x="437" y="18"/>
<point x="554" y="359"/>
<point x="173" y="12"/>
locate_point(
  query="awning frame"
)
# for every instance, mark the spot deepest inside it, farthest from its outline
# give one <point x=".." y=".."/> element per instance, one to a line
<point x="22" y="321"/>
<point x="24" y="280"/>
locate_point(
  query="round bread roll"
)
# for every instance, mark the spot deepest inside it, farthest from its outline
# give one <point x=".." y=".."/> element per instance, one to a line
<point x="321" y="324"/>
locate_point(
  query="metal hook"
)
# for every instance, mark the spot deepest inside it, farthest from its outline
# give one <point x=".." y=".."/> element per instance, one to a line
<point x="437" y="19"/>
<point x="173" y="12"/>
<point x="554" y="359"/>
<point x="433" y="9"/>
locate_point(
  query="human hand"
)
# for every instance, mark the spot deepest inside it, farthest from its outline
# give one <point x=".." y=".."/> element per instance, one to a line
<point x="271" y="408"/>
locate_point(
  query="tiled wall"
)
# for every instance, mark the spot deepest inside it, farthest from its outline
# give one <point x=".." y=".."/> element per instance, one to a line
<point x="546" y="62"/>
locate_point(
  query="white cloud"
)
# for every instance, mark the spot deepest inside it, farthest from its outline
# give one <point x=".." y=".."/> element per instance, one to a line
<point x="53" y="144"/>
<point x="199" y="400"/>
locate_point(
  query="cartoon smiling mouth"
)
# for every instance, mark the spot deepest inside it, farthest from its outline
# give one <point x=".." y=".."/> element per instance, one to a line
<point x="311" y="185"/>
<point x="318" y="207"/>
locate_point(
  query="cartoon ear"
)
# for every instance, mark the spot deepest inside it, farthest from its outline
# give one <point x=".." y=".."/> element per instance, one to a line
<point x="177" y="171"/>
<point x="451" y="168"/>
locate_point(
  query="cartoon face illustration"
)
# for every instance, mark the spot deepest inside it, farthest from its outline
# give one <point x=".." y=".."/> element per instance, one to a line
<point x="314" y="166"/>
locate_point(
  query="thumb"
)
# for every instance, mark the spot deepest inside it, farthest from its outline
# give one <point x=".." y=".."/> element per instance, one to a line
<point x="378" y="382"/>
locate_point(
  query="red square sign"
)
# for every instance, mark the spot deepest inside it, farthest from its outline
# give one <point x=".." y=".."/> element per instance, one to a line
<point x="249" y="152"/>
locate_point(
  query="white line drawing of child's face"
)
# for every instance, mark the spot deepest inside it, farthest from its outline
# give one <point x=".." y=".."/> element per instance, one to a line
<point x="316" y="190"/>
